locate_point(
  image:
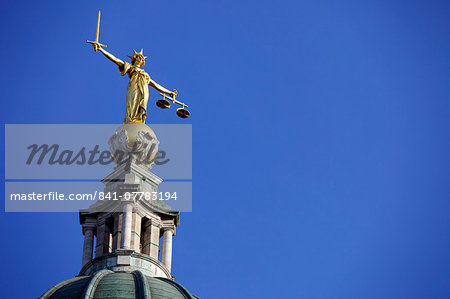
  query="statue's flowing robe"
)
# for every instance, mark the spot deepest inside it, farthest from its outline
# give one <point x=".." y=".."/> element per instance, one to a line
<point x="137" y="93"/>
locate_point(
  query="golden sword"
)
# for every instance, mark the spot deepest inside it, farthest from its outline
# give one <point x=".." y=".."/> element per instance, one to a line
<point x="97" y="34"/>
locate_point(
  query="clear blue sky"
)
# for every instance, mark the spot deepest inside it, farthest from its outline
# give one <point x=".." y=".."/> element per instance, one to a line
<point x="321" y="139"/>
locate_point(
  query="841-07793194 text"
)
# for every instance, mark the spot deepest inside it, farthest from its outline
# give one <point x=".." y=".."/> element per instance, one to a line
<point x="59" y="196"/>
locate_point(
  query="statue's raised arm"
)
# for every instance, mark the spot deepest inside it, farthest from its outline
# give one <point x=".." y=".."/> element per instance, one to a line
<point x="108" y="55"/>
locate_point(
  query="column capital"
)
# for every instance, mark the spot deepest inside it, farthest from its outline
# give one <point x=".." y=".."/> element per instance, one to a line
<point x="89" y="220"/>
<point x="89" y="224"/>
<point x="88" y="227"/>
<point x="170" y="228"/>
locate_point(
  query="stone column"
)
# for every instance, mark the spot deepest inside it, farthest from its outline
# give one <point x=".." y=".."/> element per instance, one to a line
<point x="166" y="256"/>
<point x="136" y="233"/>
<point x="151" y="238"/>
<point x="88" y="245"/>
<point x="146" y="236"/>
<point x="103" y="235"/>
<point x="127" y="216"/>
<point x="117" y="231"/>
<point x="154" y="239"/>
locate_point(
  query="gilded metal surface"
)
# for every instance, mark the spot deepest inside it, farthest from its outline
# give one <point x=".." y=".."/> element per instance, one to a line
<point x="97" y="34"/>
<point x="183" y="113"/>
<point x="137" y="91"/>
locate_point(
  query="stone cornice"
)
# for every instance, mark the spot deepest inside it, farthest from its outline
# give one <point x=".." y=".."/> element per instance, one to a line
<point x="153" y="222"/>
<point x="136" y="255"/>
<point x="117" y="174"/>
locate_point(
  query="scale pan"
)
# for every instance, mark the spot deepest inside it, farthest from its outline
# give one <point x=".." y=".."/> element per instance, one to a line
<point x="183" y="113"/>
<point x="163" y="104"/>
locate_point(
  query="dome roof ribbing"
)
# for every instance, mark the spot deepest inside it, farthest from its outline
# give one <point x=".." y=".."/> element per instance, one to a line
<point x="109" y="284"/>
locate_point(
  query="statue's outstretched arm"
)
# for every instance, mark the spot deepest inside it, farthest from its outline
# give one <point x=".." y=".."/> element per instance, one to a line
<point x="161" y="89"/>
<point x="111" y="57"/>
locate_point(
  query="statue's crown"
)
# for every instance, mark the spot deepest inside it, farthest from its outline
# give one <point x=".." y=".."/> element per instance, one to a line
<point x="137" y="55"/>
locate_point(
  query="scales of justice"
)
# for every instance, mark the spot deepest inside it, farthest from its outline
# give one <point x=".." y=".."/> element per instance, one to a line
<point x="137" y="91"/>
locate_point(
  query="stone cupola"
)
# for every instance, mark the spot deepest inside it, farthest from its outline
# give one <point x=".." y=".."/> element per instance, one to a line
<point x="127" y="250"/>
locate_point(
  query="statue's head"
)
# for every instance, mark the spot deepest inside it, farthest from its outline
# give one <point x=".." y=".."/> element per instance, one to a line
<point x="138" y="58"/>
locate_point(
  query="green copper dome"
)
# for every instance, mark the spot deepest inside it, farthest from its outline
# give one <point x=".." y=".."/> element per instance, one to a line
<point x="109" y="284"/>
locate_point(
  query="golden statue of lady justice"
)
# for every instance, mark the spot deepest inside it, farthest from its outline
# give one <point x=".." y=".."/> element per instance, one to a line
<point x="137" y="91"/>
